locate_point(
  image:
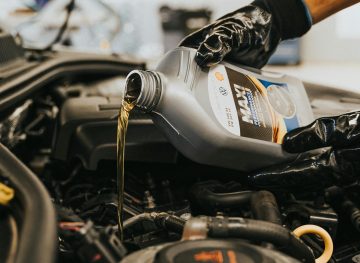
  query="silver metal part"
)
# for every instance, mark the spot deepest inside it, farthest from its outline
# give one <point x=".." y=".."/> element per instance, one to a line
<point x="195" y="229"/>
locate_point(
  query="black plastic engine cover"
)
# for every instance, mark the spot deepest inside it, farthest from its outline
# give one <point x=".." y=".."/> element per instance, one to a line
<point x="87" y="130"/>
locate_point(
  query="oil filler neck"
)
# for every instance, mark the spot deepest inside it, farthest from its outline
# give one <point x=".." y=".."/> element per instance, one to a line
<point x="144" y="88"/>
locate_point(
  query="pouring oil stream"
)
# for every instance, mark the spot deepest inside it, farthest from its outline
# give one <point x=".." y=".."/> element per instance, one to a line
<point x="142" y="89"/>
<point x="123" y="121"/>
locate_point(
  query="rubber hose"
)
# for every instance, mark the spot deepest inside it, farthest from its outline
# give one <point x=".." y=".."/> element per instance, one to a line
<point x="37" y="237"/>
<point x="353" y="212"/>
<point x="260" y="231"/>
<point x="264" y="207"/>
<point x="137" y="219"/>
<point x="162" y="220"/>
<point x="205" y="198"/>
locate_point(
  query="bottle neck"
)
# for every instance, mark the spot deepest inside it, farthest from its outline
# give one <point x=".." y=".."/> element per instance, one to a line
<point x="144" y="88"/>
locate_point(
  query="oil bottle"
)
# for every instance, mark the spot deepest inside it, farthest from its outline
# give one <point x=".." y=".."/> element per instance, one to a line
<point x="227" y="115"/>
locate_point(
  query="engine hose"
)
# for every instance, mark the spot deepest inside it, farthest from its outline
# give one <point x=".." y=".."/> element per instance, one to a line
<point x="260" y="231"/>
<point x="346" y="207"/>
<point x="264" y="207"/>
<point x="37" y="230"/>
<point x="162" y="220"/>
<point x="263" y="203"/>
<point x="137" y="219"/>
<point x="353" y="212"/>
<point x="170" y="222"/>
<point x="207" y="200"/>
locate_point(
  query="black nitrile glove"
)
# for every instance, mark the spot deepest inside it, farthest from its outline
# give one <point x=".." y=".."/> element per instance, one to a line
<point x="337" y="165"/>
<point x="250" y="35"/>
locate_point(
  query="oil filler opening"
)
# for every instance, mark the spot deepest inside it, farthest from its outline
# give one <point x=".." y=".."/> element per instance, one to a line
<point x="144" y="88"/>
<point x="133" y="87"/>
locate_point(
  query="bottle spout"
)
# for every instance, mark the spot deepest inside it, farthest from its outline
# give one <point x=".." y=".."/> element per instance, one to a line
<point x="143" y="88"/>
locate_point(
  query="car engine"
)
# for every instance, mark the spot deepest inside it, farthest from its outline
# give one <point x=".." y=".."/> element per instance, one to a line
<point x="58" y="132"/>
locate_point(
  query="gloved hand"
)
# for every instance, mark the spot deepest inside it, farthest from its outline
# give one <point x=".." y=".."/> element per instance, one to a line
<point x="247" y="35"/>
<point x="337" y="165"/>
<point x="250" y="35"/>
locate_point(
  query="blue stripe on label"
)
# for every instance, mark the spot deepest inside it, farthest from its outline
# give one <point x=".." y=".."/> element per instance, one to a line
<point x="292" y="123"/>
<point x="268" y="83"/>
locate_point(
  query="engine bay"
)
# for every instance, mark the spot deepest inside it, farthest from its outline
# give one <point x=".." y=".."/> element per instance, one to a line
<point x="175" y="210"/>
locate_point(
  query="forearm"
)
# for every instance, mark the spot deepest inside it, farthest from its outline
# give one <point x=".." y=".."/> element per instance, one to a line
<point x="320" y="9"/>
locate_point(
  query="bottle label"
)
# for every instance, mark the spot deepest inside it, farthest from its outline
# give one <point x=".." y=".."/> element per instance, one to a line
<point x="251" y="107"/>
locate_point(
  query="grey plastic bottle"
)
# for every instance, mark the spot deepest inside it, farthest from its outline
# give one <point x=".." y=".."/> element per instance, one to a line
<point x="227" y="116"/>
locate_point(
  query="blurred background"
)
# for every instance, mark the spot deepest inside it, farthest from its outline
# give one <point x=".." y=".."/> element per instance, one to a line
<point x="144" y="29"/>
